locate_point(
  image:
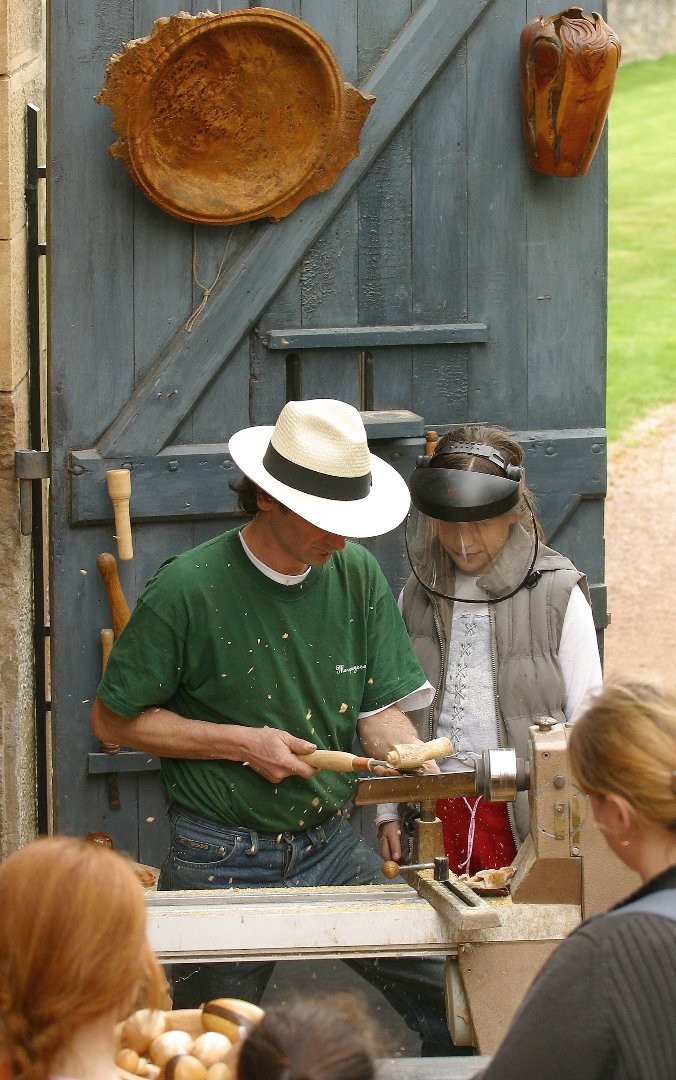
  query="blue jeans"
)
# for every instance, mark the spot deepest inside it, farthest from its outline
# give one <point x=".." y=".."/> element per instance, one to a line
<point x="204" y="854"/>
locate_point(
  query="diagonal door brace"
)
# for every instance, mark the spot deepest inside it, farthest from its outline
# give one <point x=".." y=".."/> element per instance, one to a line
<point x="259" y="269"/>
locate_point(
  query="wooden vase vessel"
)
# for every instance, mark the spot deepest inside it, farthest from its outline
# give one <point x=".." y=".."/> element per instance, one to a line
<point x="568" y="66"/>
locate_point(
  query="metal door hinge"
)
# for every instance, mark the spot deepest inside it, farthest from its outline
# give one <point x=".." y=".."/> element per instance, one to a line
<point x="29" y="465"/>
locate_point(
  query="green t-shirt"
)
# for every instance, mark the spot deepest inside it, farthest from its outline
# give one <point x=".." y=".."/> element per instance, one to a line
<point x="214" y="639"/>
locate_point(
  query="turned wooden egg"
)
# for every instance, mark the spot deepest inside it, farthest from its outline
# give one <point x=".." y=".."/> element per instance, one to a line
<point x="169" y="1044"/>
<point x="127" y="1059"/>
<point x="219" y="1071"/>
<point x="184" y="1067"/>
<point x="211" y="1048"/>
<point x="139" y="1029"/>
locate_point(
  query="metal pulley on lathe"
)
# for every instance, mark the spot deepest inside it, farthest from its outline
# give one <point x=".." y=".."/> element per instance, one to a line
<point x="500" y="775"/>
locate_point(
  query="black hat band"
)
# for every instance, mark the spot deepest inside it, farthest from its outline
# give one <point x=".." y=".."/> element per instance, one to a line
<point x="324" y="486"/>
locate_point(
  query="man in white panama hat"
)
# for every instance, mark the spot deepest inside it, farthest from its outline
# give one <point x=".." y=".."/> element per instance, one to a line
<point x="259" y="646"/>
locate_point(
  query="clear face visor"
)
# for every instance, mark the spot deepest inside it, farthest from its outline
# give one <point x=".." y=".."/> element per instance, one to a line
<point x="466" y="541"/>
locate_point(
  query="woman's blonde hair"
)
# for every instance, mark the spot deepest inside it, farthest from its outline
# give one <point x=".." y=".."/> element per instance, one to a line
<point x="73" y="948"/>
<point x="625" y="744"/>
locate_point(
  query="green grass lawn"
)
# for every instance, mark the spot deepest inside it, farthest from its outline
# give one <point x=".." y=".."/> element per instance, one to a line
<point x="641" y="242"/>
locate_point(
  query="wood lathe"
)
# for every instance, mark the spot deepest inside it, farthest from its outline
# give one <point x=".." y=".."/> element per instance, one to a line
<point x="493" y="946"/>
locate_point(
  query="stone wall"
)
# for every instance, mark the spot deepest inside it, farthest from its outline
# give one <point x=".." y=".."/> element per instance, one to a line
<point x="21" y="82"/>
<point x="646" y="28"/>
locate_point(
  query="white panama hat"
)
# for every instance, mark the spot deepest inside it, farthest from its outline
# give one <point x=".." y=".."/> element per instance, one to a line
<point x="316" y="461"/>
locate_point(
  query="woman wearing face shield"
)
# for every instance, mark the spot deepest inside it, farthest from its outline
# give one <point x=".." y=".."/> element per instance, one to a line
<point x="501" y="624"/>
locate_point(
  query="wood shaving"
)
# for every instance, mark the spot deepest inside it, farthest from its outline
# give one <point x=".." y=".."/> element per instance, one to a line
<point x="493" y="879"/>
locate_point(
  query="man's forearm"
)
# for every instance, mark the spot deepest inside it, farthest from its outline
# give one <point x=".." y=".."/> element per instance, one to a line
<point x="378" y="732"/>
<point x="160" y="731"/>
<point x="269" y="751"/>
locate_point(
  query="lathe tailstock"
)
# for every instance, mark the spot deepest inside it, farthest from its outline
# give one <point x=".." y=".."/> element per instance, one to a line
<point x="494" y="946"/>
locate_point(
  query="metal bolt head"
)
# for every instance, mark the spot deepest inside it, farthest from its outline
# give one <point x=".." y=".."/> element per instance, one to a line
<point x="545" y="723"/>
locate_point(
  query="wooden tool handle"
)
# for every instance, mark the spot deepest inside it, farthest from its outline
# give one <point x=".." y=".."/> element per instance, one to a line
<point x="119" y="490"/>
<point x="431" y="440"/>
<point x="107" y="639"/>
<point x="412" y="755"/>
<point x="334" y="760"/>
<point x="119" y="608"/>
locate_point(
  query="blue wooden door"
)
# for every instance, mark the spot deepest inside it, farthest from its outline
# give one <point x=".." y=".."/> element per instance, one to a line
<point x="438" y="280"/>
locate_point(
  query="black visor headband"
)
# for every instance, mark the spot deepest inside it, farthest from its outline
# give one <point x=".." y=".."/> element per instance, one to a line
<point x="454" y="495"/>
<point x="459" y="495"/>
<point x="475" y="449"/>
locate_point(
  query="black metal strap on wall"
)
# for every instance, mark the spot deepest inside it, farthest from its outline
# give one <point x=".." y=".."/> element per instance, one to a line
<point x="32" y="466"/>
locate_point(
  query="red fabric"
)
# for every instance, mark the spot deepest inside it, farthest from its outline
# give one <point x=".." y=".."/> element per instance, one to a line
<point x="493" y="844"/>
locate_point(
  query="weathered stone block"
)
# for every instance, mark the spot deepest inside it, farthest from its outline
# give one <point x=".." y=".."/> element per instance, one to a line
<point x="16" y="91"/>
<point x="20" y="33"/>
<point x="17" y="739"/>
<point x="13" y="312"/>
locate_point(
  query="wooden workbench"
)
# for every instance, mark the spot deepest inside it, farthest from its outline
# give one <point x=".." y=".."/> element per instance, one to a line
<point x="443" y="1068"/>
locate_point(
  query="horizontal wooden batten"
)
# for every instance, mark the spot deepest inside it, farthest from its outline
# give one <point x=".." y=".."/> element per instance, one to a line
<point x="386" y="424"/>
<point x="126" y="761"/>
<point x="181" y="482"/>
<point x="366" y="337"/>
<point x="190" y="481"/>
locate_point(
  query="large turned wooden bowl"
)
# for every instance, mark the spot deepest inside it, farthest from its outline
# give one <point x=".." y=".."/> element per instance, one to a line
<point x="224" y="118"/>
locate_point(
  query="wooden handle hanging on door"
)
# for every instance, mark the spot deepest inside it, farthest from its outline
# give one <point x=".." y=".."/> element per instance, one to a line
<point x="114" y="800"/>
<point x="431" y="440"/>
<point x="119" y="489"/>
<point x="119" y="608"/>
<point x="119" y="614"/>
<point x="107" y="639"/>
